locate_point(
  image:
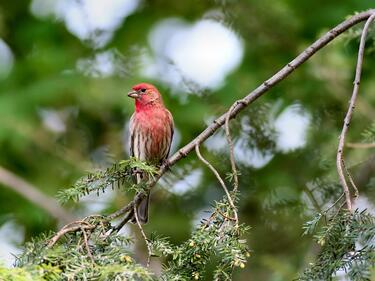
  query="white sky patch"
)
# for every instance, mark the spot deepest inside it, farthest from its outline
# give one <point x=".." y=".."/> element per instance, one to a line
<point x="103" y="64"/>
<point x="55" y="119"/>
<point x="93" y="20"/>
<point x="202" y="54"/>
<point x="363" y="203"/>
<point x="94" y="204"/>
<point x="52" y="120"/>
<point x="189" y="182"/>
<point x="251" y="157"/>
<point x="202" y="214"/>
<point x="291" y="127"/>
<point x="6" y="60"/>
<point x="11" y="234"/>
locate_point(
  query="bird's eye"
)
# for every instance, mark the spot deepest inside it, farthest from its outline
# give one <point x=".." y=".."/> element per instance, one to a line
<point x="143" y="90"/>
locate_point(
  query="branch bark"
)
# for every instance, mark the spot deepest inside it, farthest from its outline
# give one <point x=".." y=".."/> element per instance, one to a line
<point x="241" y="104"/>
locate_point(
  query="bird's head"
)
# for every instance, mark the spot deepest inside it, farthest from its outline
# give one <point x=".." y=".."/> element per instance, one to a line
<point x="145" y="95"/>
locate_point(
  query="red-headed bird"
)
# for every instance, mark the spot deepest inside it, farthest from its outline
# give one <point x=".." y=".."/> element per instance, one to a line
<point x="151" y="133"/>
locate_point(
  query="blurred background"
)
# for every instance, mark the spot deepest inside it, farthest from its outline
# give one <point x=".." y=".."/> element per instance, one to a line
<point x="65" y="69"/>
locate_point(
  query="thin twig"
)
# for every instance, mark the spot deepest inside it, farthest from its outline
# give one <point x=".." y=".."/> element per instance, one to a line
<point x="144" y="236"/>
<point x="312" y="198"/>
<point x="334" y="204"/>
<point x="216" y="173"/>
<point x="348" y="117"/>
<point x="71" y="227"/>
<point x="86" y="242"/>
<point x="231" y="147"/>
<point x="225" y="216"/>
<point x="356" y="192"/>
<point x="360" y="145"/>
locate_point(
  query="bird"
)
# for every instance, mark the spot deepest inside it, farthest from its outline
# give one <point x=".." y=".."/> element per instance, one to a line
<point x="151" y="130"/>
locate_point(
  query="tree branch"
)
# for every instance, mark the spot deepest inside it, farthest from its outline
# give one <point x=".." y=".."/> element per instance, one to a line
<point x="340" y="150"/>
<point x="32" y="193"/>
<point x="239" y="105"/>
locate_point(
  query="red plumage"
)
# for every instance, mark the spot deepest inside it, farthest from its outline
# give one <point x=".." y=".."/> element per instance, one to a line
<point x="151" y="133"/>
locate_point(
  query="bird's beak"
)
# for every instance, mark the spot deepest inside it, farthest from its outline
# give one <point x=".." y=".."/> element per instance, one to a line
<point x="133" y="94"/>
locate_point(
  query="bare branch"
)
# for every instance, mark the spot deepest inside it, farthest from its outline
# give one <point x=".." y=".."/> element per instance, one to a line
<point x="32" y="193"/>
<point x="216" y="173"/>
<point x="70" y="227"/>
<point x="348" y="117"/>
<point x="231" y="148"/>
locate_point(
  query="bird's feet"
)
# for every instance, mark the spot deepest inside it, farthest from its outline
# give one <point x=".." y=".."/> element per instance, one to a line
<point x="165" y="163"/>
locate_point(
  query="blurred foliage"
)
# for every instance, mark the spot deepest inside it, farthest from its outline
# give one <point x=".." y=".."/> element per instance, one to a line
<point x="276" y="200"/>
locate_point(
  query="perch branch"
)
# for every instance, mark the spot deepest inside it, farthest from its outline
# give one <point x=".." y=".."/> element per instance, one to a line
<point x="250" y="98"/>
<point x="348" y="117"/>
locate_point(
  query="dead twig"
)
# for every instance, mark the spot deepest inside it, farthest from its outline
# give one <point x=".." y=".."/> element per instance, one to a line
<point x="334" y="204"/>
<point x="348" y="117"/>
<point x="356" y="192"/>
<point x="74" y="226"/>
<point x="86" y="242"/>
<point x="231" y="147"/>
<point x="70" y="227"/>
<point x="216" y="173"/>
<point x="144" y="236"/>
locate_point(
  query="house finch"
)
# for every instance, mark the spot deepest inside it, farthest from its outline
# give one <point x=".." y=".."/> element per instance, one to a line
<point x="151" y="133"/>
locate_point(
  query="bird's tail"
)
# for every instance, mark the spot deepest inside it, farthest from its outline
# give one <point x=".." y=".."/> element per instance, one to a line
<point x="142" y="207"/>
<point x="142" y="210"/>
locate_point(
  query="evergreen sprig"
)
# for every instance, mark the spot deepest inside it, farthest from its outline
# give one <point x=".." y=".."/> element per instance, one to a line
<point x="104" y="255"/>
<point x="218" y="237"/>
<point x="117" y="175"/>
<point x="101" y="254"/>
<point x="347" y="243"/>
